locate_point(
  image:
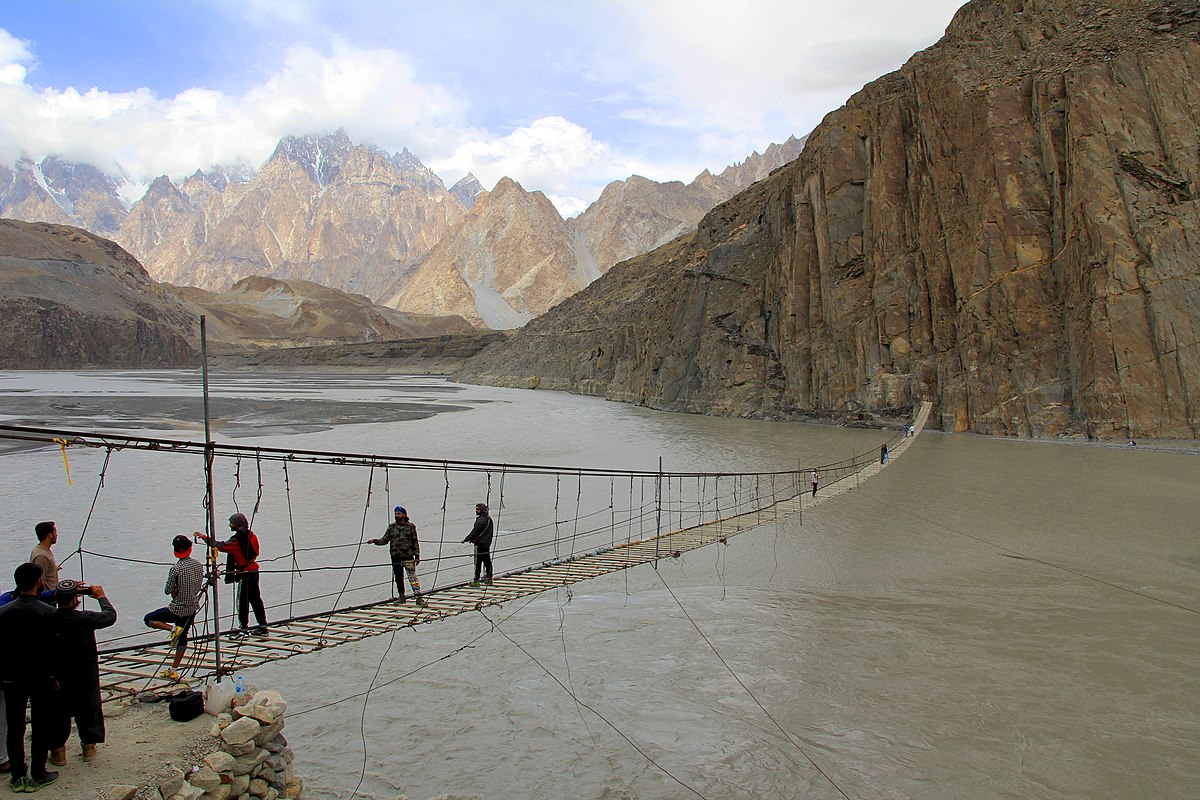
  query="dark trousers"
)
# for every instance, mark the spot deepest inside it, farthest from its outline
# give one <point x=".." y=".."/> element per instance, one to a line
<point x="249" y="596"/>
<point x="39" y="696"/>
<point x="814" y="488"/>
<point x="483" y="558"/>
<point x="78" y="698"/>
<point x="399" y="567"/>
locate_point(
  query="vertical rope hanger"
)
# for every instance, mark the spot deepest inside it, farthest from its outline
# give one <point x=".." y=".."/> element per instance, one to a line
<point x="82" y="533"/>
<point x="287" y="490"/>
<point x="442" y="538"/>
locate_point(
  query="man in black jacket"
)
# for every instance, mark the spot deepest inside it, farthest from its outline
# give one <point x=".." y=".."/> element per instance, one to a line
<point x="481" y="536"/>
<point x="27" y="666"/>
<point x="79" y="669"/>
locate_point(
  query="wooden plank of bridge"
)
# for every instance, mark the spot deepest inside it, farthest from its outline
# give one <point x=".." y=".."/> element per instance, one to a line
<point x="298" y="637"/>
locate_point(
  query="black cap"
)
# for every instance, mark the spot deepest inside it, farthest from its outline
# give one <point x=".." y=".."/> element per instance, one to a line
<point x="181" y="543"/>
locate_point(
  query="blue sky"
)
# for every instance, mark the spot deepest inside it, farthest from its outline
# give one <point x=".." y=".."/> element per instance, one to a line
<point x="562" y="96"/>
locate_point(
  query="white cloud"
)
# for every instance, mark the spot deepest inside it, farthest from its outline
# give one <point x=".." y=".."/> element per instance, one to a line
<point x="760" y="68"/>
<point x="550" y="154"/>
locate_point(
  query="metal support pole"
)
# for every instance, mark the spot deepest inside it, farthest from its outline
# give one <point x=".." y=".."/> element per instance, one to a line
<point x="209" y="449"/>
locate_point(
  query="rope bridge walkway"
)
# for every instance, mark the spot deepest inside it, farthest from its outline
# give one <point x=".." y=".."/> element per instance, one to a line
<point x="687" y="511"/>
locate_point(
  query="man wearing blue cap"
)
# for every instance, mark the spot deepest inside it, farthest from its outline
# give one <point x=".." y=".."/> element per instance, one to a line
<point x="401" y="539"/>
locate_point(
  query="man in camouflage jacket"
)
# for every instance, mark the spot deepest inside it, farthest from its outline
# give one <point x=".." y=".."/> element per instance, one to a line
<point x="401" y="539"/>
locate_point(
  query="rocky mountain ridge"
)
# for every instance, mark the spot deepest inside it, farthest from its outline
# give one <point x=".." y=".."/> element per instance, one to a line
<point x="356" y="218"/>
<point x="1006" y="226"/>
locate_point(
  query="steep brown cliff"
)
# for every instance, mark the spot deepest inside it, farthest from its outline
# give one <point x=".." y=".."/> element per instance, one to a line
<point x="70" y="299"/>
<point x="1008" y="226"/>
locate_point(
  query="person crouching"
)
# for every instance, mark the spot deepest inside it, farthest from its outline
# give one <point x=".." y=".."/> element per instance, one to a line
<point x="185" y="583"/>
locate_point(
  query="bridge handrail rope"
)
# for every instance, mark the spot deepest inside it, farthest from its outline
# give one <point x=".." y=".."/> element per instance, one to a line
<point x="738" y="499"/>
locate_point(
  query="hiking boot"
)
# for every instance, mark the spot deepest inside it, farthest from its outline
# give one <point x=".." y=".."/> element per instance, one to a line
<point x="37" y="783"/>
<point x="58" y="756"/>
<point x="176" y="632"/>
<point x="89" y="752"/>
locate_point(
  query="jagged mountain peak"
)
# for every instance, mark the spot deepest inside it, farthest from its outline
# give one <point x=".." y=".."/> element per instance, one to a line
<point x="467" y="190"/>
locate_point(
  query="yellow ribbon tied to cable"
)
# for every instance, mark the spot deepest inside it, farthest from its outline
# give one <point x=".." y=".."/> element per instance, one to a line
<point x="63" y="444"/>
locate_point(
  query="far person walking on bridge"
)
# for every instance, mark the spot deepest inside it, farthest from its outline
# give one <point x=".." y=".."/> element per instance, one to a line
<point x="185" y="583"/>
<point x="883" y="454"/>
<point x="405" y="549"/>
<point x="242" y="568"/>
<point x="816" y="479"/>
<point x="481" y="536"/>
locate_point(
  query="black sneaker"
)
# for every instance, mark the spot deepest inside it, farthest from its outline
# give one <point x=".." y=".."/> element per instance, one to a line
<point x="259" y="630"/>
<point x="240" y="633"/>
<point x="47" y="779"/>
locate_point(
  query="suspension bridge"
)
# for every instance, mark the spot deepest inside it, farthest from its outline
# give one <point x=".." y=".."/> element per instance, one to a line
<point x="688" y="511"/>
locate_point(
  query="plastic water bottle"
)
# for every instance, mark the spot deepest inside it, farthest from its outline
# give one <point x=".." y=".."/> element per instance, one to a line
<point x="239" y="691"/>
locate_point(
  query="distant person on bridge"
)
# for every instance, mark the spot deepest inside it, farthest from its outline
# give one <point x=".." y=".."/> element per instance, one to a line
<point x="883" y="454"/>
<point x="816" y="479"/>
<point x="405" y="549"/>
<point x="47" y="534"/>
<point x="78" y="670"/>
<point x="185" y="583"/>
<point x="242" y="568"/>
<point x="481" y="536"/>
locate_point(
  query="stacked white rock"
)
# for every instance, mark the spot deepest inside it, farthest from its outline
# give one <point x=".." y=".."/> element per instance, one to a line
<point x="254" y="762"/>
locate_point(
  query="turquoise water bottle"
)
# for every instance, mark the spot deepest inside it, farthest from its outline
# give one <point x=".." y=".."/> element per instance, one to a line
<point x="239" y="691"/>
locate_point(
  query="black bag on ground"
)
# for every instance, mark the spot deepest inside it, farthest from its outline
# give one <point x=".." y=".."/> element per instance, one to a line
<point x="186" y="706"/>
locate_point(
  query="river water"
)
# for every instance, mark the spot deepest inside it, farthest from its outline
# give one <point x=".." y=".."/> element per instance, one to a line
<point x="986" y="619"/>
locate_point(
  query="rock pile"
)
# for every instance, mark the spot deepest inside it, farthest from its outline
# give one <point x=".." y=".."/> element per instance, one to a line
<point x="253" y="763"/>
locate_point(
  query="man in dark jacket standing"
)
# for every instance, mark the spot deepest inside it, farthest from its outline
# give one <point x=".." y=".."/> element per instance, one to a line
<point x="242" y="568"/>
<point x="79" y="669"/>
<point x="27" y="667"/>
<point x="405" y="549"/>
<point x="481" y="536"/>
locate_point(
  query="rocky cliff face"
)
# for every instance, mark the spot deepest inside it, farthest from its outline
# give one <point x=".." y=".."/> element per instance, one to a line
<point x="70" y="299"/>
<point x="509" y="261"/>
<point x="635" y="216"/>
<point x="1007" y="226"/>
<point x="320" y="209"/>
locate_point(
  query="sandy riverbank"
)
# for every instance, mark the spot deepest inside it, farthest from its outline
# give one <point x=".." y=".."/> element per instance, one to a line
<point x="141" y="743"/>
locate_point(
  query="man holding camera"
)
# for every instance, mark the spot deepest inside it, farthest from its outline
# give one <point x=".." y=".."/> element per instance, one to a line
<point x="79" y="668"/>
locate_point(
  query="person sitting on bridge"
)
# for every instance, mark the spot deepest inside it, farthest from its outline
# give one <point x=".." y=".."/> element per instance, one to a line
<point x="27" y="667"/>
<point x="78" y="668"/>
<point x="242" y="568"/>
<point x="185" y="582"/>
<point x="481" y="536"/>
<point x="405" y="549"/>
